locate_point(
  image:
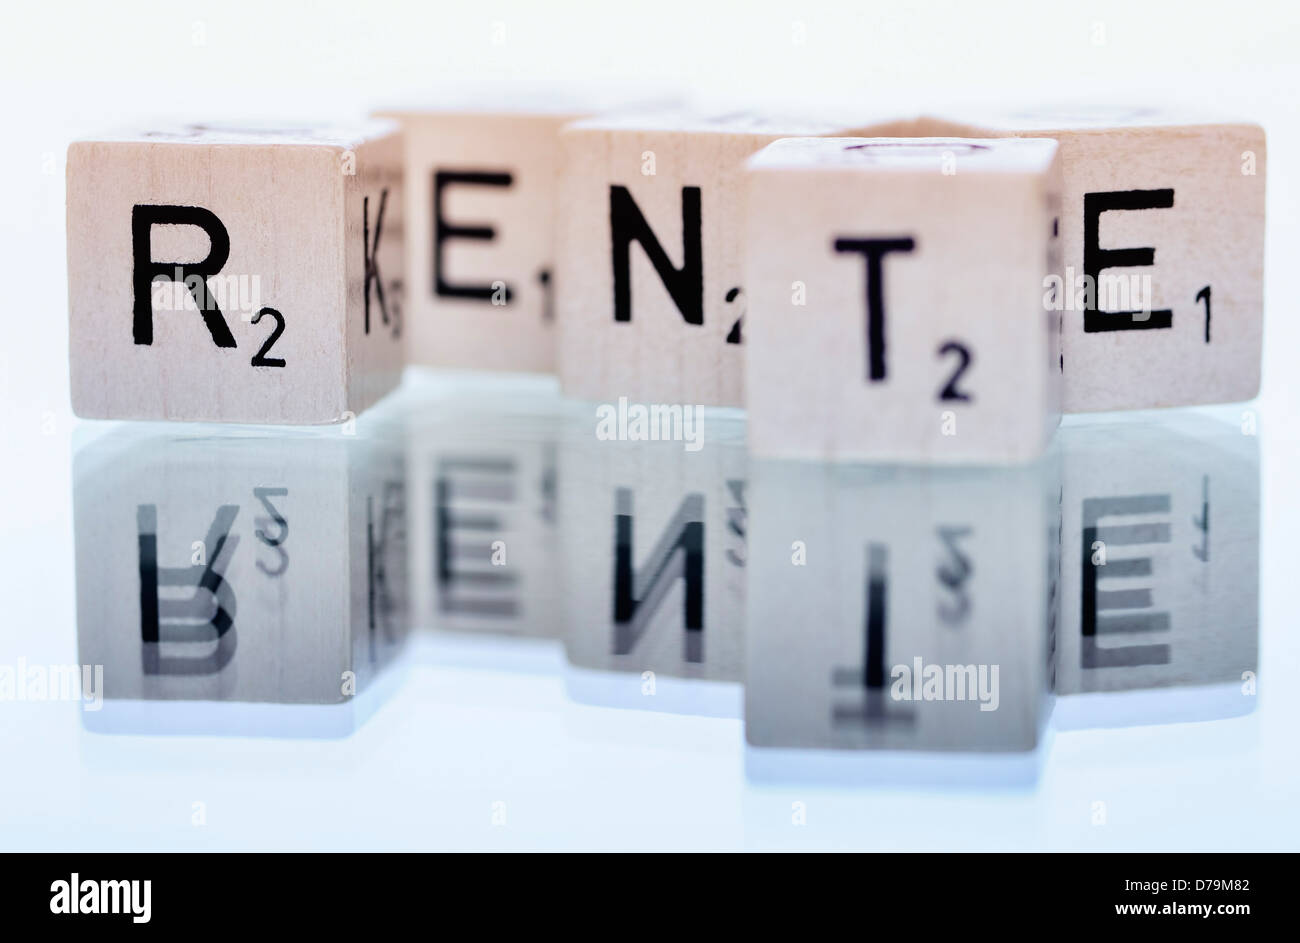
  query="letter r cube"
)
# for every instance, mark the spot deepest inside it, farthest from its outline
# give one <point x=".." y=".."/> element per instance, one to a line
<point x="895" y="309"/>
<point x="232" y="275"/>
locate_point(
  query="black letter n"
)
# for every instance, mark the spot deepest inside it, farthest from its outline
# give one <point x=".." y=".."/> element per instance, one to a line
<point x="143" y="219"/>
<point x="685" y="285"/>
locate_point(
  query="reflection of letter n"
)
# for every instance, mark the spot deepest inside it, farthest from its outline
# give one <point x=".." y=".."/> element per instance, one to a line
<point x="679" y="552"/>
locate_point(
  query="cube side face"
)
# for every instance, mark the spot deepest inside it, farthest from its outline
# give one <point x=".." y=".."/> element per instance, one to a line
<point x="1166" y="223"/>
<point x="375" y="252"/>
<point x="482" y="285"/>
<point x="656" y="344"/>
<point x="959" y="361"/>
<point x="247" y="227"/>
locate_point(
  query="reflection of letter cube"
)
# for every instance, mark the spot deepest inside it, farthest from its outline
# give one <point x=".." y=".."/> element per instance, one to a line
<point x="670" y="599"/>
<point x="1160" y="562"/>
<point x="249" y="568"/>
<point x="484" y="480"/>
<point x="236" y="276"/>
<point x="900" y="609"/>
<point x="650" y="299"/>
<point x="1162" y="239"/>
<point x="895" y="299"/>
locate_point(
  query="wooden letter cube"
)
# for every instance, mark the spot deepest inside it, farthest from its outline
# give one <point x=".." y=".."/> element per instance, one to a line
<point x="895" y="300"/>
<point x="234" y="275"/>
<point x="649" y="292"/>
<point x="480" y="206"/>
<point x="1162" y="236"/>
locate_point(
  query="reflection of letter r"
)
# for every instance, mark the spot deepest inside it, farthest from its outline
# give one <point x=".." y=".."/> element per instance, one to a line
<point x="179" y="614"/>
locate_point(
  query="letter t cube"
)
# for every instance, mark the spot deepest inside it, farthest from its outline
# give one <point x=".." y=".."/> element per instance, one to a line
<point x="896" y="299"/>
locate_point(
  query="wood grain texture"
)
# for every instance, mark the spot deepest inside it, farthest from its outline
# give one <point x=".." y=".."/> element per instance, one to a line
<point x="679" y="176"/>
<point x="1212" y="236"/>
<point x="492" y="308"/>
<point x="959" y="362"/>
<point x="292" y="205"/>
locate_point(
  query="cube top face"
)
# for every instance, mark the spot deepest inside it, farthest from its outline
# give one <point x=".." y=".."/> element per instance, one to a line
<point x="908" y="155"/>
<point x="1080" y="119"/>
<point x="689" y="122"/>
<point x="488" y="123"/>
<point x="234" y="275"/>
<point x="895" y="312"/>
<point x="212" y="134"/>
<point x="1162" y="242"/>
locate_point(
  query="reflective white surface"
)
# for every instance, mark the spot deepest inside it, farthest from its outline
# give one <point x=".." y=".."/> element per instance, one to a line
<point x="537" y="710"/>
